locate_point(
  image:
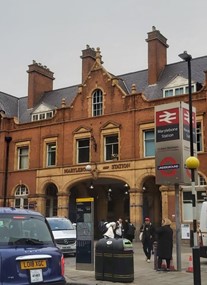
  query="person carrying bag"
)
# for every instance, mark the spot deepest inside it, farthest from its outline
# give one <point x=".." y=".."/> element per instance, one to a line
<point x="147" y="237"/>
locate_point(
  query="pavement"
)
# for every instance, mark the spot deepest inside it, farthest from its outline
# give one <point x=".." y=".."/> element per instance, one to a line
<point x="144" y="273"/>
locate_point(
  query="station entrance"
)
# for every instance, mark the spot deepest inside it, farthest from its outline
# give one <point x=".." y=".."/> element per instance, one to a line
<point x="111" y="199"/>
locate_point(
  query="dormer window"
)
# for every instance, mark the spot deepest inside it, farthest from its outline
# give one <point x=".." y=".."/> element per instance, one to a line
<point x="97" y="103"/>
<point x="42" y="116"/>
<point x="178" y="91"/>
<point x="179" y="86"/>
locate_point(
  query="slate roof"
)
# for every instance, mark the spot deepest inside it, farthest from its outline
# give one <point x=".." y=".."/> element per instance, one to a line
<point x="9" y="104"/>
<point x="51" y="98"/>
<point x="140" y="78"/>
<point x="14" y="106"/>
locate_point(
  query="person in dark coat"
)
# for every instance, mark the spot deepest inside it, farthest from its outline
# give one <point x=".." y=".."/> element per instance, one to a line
<point x="129" y="230"/>
<point x="148" y="237"/>
<point x="164" y="244"/>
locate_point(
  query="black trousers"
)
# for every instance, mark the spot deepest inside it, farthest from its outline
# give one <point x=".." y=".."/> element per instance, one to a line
<point x="147" y="248"/>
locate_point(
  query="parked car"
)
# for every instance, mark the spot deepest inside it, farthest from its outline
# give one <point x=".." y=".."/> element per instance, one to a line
<point x="64" y="233"/>
<point x="28" y="253"/>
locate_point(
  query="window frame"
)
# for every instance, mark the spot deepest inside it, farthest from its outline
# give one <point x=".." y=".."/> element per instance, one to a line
<point x="46" y="142"/>
<point x="50" y="160"/>
<point x="20" y="157"/>
<point x="87" y="149"/>
<point x="111" y="148"/>
<point x="173" y="90"/>
<point x="97" y="103"/>
<point x="187" y="212"/>
<point x="146" y="141"/>
<point x="199" y="136"/>
<point x="42" y="116"/>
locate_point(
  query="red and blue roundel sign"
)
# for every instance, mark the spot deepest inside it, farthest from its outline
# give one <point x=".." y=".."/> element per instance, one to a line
<point x="168" y="166"/>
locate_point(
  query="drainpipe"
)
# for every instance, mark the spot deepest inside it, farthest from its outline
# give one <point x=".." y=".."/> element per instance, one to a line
<point x="7" y="140"/>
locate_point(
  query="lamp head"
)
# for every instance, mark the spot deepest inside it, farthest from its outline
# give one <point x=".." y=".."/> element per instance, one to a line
<point x="185" y="56"/>
<point x="192" y="162"/>
<point x="88" y="167"/>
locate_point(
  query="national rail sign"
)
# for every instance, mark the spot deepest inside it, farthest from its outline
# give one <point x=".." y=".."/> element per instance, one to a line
<point x="172" y="142"/>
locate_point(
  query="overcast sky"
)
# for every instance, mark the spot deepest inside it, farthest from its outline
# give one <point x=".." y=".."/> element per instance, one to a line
<point x="54" y="33"/>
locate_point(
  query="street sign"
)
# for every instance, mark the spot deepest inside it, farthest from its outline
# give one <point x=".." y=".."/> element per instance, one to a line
<point x="172" y="145"/>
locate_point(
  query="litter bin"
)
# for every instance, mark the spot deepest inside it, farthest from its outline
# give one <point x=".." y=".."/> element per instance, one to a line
<point x="114" y="260"/>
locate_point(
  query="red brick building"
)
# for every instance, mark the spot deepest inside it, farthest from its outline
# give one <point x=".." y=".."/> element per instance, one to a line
<point x="97" y="139"/>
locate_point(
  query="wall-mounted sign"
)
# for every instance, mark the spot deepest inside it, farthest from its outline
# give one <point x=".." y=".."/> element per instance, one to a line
<point x="185" y="231"/>
<point x="172" y="142"/>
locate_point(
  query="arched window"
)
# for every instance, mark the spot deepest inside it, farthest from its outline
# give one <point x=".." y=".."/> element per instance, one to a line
<point x="97" y="103"/>
<point x="21" y="197"/>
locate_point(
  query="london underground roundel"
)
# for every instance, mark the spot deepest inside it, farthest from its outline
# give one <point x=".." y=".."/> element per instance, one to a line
<point x="168" y="166"/>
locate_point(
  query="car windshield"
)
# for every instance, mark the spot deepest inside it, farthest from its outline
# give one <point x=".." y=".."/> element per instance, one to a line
<point x="23" y="230"/>
<point x="60" y="224"/>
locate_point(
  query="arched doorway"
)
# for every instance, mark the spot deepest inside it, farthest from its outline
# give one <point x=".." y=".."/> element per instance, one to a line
<point x="111" y="199"/>
<point x="152" y="201"/>
<point x="51" y="200"/>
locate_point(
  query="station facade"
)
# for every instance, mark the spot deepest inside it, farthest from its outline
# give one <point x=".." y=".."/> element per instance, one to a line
<point x="97" y="139"/>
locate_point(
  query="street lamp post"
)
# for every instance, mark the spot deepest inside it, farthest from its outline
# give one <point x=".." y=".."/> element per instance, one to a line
<point x="7" y="140"/>
<point x="187" y="57"/>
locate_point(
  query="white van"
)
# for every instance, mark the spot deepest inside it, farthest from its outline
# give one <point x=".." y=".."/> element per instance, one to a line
<point x="203" y="230"/>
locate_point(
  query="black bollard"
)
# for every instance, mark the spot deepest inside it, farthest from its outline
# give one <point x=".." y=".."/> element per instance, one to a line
<point x="196" y="266"/>
<point x="155" y="254"/>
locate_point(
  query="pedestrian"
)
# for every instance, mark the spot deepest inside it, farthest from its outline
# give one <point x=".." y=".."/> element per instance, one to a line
<point x="164" y="244"/>
<point x="119" y="229"/>
<point x="129" y="230"/>
<point x="110" y="230"/>
<point x="102" y="227"/>
<point x="148" y="237"/>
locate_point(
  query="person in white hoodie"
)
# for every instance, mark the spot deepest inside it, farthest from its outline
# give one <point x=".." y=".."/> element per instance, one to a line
<point x="110" y="230"/>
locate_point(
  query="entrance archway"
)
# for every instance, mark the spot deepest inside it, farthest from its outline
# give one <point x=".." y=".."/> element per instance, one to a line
<point x="152" y="201"/>
<point x="111" y="199"/>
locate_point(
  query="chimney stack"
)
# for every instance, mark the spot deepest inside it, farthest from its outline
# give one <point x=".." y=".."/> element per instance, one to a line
<point x="157" y="55"/>
<point x="88" y="60"/>
<point x="40" y="80"/>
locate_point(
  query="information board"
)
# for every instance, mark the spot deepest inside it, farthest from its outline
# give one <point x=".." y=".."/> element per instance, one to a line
<point x="85" y="234"/>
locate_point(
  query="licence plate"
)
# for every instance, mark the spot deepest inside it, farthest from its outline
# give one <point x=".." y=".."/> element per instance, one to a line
<point x="33" y="264"/>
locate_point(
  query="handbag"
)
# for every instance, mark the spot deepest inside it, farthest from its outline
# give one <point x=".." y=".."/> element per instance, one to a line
<point x="141" y="236"/>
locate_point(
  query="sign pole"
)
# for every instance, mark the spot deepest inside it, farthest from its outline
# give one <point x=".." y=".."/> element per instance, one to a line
<point x="178" y="226"/>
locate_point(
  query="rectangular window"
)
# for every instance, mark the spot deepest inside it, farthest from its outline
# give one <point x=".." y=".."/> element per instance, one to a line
<point x="199" y="136"/>
<point x="192" y="89"/>
<point x="188" y="207"/>
<point x="51" y="154"/>
<point x="34" y="117"/>
<point x="201" y="180"/>
<point x="149" y="143"/>
<point x="169" y="93"/>
<point x="23" y="157"/>
<point x="83" y="150"/>
<point x="42" y="116"/>
<point x="21" y="203"/>
<point x="179" y="91"/>
<point x="49" y="115"/>
<point x="111" y="147"/>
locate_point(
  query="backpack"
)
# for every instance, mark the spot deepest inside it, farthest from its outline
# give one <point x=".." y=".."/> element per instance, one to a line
<point x="102" y="227"/>
<point x="131" y="229"/>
